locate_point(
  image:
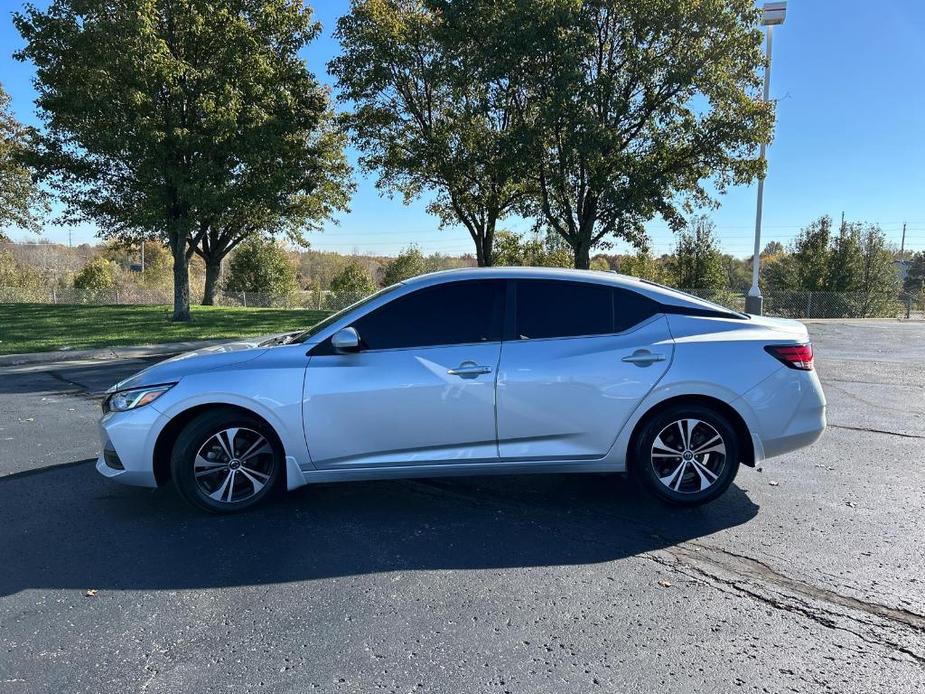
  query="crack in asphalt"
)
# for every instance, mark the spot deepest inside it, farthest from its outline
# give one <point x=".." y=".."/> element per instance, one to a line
<point x="868" y="430"/>
<point x="82" y="389"/>
<point x="798" y="595"/>
<point x="794" y="604"/>
<point x="754" y="568"/>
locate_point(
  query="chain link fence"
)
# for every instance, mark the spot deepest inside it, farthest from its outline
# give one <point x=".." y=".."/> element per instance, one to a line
<point x="783" y="304"/>
<point x="324" y="300"/>
<point x="796" y="304"/>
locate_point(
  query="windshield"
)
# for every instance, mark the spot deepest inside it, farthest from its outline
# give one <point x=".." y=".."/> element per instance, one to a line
<point x="334" y="317"/>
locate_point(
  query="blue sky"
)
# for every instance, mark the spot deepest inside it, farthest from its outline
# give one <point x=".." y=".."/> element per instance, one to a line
<point x="849" y="77"/>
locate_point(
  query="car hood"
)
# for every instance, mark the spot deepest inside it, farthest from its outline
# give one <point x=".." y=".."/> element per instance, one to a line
<point x="197" y="361"/>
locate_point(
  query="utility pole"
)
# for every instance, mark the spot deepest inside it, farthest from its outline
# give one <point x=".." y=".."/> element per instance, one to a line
<point x="902" y="244"/>
<point x="773" y="14"/>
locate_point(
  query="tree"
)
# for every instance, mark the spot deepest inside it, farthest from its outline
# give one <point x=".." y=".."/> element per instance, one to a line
<point x="22" y="202"/>
<point x="810" y="256"/>
<point x="634" y="107"/>
<point x="738" y="272"/>
<point x="18" y="276"/>
<point x="432" y="112"/>
<point x="513" y="250"/>
<point x="599" y="263"/>
<point x="879" y="276"/>
<point x="297" y="178"/>
<point x="98" y="275"/>
<point x="261" y="266"/>
<point x="846" y="260"/>
<point x="914" y="282"/>
<point x="157" y="111"/>
<point x="697" y="263"/>
<point x="407" y="264"/>
<point x="353" y="279"/>
<point x="773" y="248"/>
<point x="643" y="265"/>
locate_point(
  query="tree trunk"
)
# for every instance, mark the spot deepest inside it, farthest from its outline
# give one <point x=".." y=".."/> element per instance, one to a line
<point x="486" y="244"/>
<point x="213" y="277"/>
<point x="582" y="255"/>
<point x="180" y="281"/>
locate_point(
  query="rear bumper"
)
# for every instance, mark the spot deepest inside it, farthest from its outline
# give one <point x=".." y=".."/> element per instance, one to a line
<point x="789" y="411"/>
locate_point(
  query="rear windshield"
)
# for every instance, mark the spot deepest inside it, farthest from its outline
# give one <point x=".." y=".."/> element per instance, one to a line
<point x="691" y="299"/>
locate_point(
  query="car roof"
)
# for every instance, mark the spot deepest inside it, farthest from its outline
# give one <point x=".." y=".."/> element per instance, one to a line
<point x="657" y="292"/>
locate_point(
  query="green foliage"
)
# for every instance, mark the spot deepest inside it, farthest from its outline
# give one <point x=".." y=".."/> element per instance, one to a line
<point x="514" y="250"/>
<point x="22" y="202"/>
<point x="738" y="272"/>
<point x="407" y="264"/>
<point x="433" y="111"/>
<point x="698" y="263"/>
<point x="157" y="273"/>
<point x="599" y="263"/>
<point x="353" y="279"/>
<point x="772" y="248"/>
<point x="811" y="255"/>
<point x="182" y="119"/>
<point x="637" y="109"/>
<point x="644" y="266"/>
<point x="261" y="266"/>
<point x="915" y="276"/>
<point x="846" y="260"/>
<point x="98" y="275"/>
<point x="16" y="275"/>
<point x="879" y="273"/>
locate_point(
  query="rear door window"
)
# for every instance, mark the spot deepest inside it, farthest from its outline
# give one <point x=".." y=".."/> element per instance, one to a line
<point x="557" y="308"/>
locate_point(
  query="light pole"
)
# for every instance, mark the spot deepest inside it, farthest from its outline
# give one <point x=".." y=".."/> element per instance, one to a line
<point x="773" y="14"/>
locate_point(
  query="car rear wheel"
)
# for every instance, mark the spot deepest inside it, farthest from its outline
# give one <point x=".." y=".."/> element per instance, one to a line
<point x="686" y="455"/>
<point x="226" y="461"/>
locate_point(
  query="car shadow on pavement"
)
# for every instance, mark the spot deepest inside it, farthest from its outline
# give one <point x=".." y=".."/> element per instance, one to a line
<point x="66" y="527"/>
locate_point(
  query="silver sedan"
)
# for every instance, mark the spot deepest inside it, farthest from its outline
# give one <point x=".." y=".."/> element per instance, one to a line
<point x="471" y="372"/>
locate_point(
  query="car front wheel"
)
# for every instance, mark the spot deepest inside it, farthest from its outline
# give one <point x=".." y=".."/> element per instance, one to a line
<point x="226" y="461"/>
<point x="686" y="455"/>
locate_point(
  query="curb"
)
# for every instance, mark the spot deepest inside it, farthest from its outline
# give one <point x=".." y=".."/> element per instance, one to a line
<point x="108" y="353"/>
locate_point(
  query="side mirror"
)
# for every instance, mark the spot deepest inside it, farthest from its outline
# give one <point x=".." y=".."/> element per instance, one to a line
<point x="345" y="341"/>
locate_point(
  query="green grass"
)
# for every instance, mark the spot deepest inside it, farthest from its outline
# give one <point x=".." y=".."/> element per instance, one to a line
<point x="44" y="327"/>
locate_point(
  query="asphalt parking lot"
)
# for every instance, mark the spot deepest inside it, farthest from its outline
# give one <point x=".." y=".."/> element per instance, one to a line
<point x="808" y="576"/>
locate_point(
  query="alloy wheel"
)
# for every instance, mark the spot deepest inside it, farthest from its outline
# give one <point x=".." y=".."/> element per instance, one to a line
<point x="688" y="456"/>
<point x="234" y="465"/>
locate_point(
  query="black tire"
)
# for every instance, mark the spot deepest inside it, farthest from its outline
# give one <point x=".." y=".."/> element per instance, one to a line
<point x="247" y="481"/>
<point x="679" y="479"/>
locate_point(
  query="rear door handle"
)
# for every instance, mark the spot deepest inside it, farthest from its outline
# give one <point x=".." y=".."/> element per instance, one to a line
<point x="469" y="369"/>
<point x="643" y="357"/>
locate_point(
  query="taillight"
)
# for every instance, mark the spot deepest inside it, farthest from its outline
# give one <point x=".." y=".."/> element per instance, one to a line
<point x="795" y="356"/>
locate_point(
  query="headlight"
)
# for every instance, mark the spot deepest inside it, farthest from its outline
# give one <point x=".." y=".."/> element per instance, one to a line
<point x="134" y="398"/>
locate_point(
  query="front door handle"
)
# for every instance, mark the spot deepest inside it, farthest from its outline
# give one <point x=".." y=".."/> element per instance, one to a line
<point x="469" y="369"/>
<point x="643" y="357"/>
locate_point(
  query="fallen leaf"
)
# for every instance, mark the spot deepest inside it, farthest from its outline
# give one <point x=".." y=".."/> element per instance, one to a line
<point x="91" y="593"/>
<point x="665" y="584"/>
<point x="774" y="483"/>
<point x="849" y="503"/>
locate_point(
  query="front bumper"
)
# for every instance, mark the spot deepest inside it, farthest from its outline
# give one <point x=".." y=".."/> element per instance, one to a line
<point x="128" y="440"/>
